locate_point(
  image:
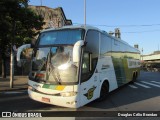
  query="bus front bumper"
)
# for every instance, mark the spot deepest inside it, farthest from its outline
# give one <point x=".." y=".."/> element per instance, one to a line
<point x="71" y="102"/>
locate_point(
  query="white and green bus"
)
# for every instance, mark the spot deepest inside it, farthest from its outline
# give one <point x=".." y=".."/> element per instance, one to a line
<point x="74" y="65"/>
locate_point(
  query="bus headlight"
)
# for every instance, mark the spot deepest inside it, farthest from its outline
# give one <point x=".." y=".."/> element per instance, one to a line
<point x="31" y="88"/>
<point x="68" y="94"/>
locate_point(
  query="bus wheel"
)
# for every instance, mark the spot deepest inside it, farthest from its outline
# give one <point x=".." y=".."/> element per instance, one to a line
<point x="134" y="77"/>
<point x="104" y="91"/>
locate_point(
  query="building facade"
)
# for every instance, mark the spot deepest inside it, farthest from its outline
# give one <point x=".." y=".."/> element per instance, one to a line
<point x="52" y="17"/>
<point x="155" y="57"/>
<point x="151" y="62"/>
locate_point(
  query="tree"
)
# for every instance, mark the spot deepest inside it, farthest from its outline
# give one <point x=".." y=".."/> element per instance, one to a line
<point x="18" y="25"/>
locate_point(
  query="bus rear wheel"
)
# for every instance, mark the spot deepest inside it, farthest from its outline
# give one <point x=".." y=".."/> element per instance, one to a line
<point x="104" y="91"/>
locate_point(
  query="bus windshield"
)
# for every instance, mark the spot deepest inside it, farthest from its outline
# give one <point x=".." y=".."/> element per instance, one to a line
<point x="67" y="36"/>
<point x="53" y="57"/>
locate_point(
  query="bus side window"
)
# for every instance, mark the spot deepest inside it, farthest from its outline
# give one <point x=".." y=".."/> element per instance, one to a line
<point x="86" y="69"/>
<point x="85" y="65"/>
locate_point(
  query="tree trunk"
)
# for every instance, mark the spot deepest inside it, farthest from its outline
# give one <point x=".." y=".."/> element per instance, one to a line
<point x="3" y="67"/>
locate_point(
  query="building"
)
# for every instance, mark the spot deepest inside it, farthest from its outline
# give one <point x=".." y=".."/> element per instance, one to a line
<point x="155" y="57"/>
<point x="52" y="17"/>
<point x="151" y="62"/>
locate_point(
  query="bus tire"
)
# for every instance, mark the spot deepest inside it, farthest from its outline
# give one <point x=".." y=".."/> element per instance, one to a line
<point x="134" y="77"/>
<point x="104" y="91"/>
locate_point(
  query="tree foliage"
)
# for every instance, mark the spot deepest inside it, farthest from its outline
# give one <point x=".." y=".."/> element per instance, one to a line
<point x="18" y="24"/>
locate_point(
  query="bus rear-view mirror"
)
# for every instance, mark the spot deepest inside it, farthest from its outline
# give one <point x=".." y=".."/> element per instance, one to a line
<point x="77" y="50"/>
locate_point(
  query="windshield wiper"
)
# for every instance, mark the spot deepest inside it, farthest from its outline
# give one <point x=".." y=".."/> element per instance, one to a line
<point x="42" y="64"/>
<point x="51" y="69"/>
<point x="54" y="71"/>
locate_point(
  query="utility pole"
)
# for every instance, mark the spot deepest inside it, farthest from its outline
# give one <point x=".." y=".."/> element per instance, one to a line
<point x="12" y="57"/>
<point x="41" y="2"/>
<point x="142" y="54"/>
<point x="84" y="12"/>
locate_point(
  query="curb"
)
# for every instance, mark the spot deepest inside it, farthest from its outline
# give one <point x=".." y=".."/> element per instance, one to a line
<point x="13" y="89"/>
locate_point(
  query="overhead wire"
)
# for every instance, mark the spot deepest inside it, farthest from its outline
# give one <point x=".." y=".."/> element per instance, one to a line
<point x="143" y="25"/>
<point x="120" y="26"/>
<point x="157" y="30"/>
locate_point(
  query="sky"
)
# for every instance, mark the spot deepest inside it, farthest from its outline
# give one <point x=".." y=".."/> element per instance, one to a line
<point x="138" y="20"/>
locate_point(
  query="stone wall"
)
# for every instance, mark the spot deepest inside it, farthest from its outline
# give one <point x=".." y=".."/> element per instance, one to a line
<point x="56" y="16"/>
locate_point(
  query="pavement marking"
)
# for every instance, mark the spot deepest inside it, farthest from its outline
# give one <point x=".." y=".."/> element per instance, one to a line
<point x="132" y="86"/>
<point x="151" y="84"/>
<point x="145" y="86"/>
<point x="155" y="82"/>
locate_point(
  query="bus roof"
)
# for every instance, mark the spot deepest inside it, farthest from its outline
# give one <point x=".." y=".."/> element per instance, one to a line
<point x="87" y="27"/>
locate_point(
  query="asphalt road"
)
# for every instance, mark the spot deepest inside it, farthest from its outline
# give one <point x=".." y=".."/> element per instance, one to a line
<point x="143" y="95"/>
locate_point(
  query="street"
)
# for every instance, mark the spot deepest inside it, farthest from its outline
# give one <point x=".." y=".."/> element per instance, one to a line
<point x="143" y="95"/>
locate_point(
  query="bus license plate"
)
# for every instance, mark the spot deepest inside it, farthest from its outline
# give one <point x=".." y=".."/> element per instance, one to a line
<point x="45" y="99"/>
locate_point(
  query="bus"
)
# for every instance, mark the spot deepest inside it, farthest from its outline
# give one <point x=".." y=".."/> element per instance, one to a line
<point x="74" y="65"/>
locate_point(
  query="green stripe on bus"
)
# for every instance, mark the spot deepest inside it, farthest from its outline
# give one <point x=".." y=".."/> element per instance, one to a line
<point x="49" y="86"/>
<point x="122" y="72"/>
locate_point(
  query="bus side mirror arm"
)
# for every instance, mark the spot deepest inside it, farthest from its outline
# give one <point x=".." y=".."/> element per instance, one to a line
<point x="20" y="49"/>
<point x="33" y="43"/>
<point x="77" y="51"/>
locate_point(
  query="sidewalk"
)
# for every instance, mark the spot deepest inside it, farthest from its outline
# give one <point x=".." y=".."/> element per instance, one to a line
<point x="19" y="83"/>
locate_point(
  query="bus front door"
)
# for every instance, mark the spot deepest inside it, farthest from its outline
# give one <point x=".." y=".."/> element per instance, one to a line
<point x="89" y="87"/>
